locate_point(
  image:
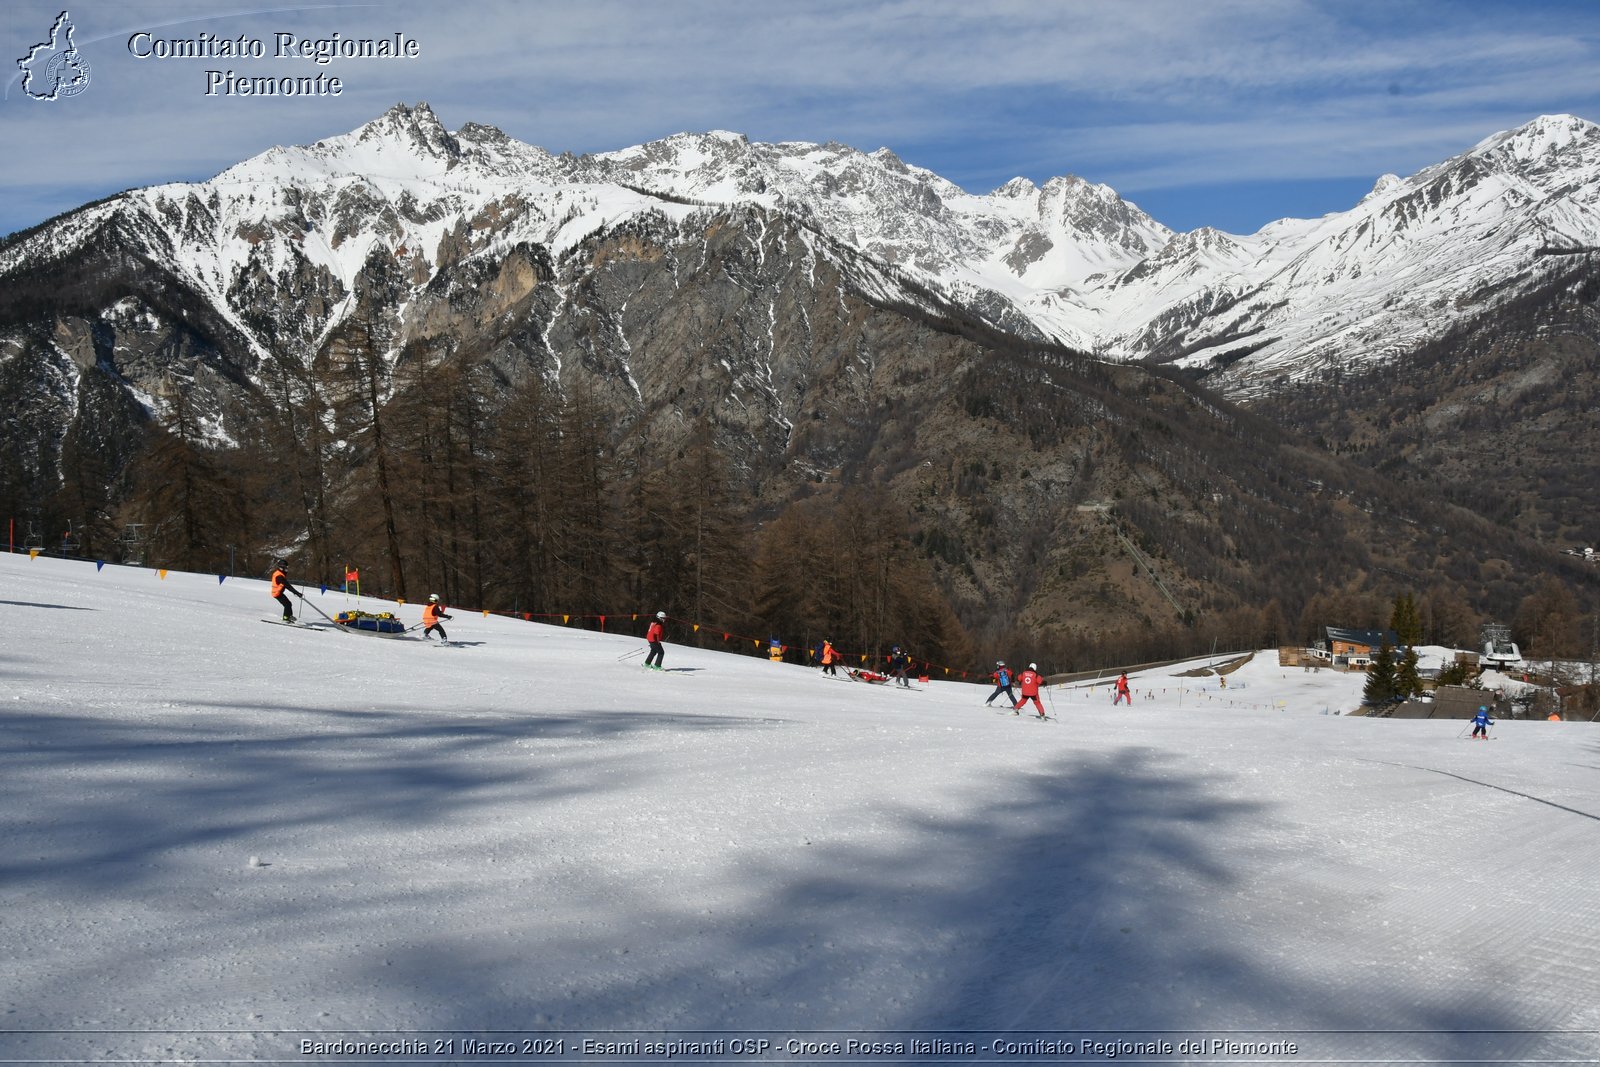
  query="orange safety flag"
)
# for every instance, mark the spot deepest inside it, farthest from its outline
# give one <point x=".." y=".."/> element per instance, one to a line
<point x="163" y="573"/>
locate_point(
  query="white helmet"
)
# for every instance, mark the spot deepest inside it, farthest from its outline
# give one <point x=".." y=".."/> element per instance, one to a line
<point x="433" y="598"/>
<point x="999" y="663"/>
<point x="661" y="614"/>
<point x="1033" y="666"/>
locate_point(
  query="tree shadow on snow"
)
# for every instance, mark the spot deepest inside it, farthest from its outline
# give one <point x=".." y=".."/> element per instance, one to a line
<point x="1105" y="895"/>
<point x="1080" y="900"/>
<point x="127" y="795"/>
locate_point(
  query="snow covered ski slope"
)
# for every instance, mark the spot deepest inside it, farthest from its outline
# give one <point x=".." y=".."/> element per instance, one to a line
<point x="240" y="843"/>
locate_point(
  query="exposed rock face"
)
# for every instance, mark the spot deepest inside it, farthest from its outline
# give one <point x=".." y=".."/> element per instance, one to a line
<point x="829" y="314"/>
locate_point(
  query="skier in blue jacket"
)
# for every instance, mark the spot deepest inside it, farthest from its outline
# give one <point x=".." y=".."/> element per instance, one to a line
<point x="1481" y="723"/>
<point x="1002" y="684"/>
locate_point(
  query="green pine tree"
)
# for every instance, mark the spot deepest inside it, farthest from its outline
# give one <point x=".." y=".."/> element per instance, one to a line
<point x="1405" y="620"/>
<point x="1380" y="687"/>
<point x="1407" y="682"/>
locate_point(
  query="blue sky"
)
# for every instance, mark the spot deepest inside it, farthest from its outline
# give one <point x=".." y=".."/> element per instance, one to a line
<point x="1229" y="113"/>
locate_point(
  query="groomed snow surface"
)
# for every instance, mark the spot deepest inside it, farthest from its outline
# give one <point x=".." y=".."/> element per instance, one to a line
<point x="230" y="841"/>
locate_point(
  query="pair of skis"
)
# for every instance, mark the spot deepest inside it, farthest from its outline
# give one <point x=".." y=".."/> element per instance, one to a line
<point x="1030" y="715"/>
<point x="297" y="624"/>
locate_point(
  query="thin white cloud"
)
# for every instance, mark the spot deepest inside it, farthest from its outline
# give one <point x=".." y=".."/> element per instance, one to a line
<point x="1154" y="94"/>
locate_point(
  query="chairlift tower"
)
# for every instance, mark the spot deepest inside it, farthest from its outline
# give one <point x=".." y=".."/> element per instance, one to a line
<point x="1499" y="651"/>
<point x="132" y="544"/>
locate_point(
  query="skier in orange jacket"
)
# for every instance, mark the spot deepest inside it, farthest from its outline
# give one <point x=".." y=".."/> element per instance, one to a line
<point x="432" y="612"/>
<point x="281" y="588"/>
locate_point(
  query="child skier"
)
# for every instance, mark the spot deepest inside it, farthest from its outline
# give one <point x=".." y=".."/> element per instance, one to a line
<point x="1029" y="680"/>
<point x="899" y="663"/>
<point x="1481" y="723"/>
<point x="1002" y="683"/>
<point x="432" y="612"/>
<point x="657" y="631"/>
<point x="830" y="659"/>
<point x="1122" y="691"/>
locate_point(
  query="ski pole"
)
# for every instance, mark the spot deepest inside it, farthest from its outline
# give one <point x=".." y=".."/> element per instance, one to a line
<point x="1052" y="697"/>
<point x="629" y="655"/>
<point x="319" y="611"/>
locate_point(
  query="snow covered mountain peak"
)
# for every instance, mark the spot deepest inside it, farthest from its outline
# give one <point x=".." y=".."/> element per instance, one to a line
<point x="1381" y="188"/>
<point x="1541" y="138"/>
<point x="412" y="129"/>
<point x="1069" y="260"/>
<point x="1091" y="209"/>
<point x="1016" y="189"/>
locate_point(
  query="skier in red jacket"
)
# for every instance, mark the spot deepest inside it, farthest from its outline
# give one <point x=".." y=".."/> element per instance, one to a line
<point x="1122" y="691"/>
<point x="658" y="630"/>
<point x="1030" y="681"/>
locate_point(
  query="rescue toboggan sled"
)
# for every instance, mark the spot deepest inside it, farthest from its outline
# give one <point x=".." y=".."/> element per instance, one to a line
<point x="382" y="624"/>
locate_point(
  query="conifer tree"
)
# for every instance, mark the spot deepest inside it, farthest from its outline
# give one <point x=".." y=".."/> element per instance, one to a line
<point x="1380" y="687"/>
<point x="1407" y="682"/>
<point x="182" y="493"/>
<point x="1405" y="620"/>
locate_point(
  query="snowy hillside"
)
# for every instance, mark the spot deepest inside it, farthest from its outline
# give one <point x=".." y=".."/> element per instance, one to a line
<point x="279" y="244"/>
<point x="226" y="838"/>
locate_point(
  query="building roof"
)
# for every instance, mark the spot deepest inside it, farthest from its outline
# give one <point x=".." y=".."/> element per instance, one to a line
<point x="1370" y="638"/>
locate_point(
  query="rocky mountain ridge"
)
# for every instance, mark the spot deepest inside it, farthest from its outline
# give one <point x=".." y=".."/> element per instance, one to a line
<point x="826" y="317"/>
<point x="1069" y="262"/>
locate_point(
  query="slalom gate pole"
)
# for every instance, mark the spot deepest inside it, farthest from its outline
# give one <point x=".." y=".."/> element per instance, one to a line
<point x="630" y="655"/>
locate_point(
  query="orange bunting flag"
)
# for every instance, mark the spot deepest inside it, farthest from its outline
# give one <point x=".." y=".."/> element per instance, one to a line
<point x="564" y="619"/>
<point x="163" y="573"/>
<point x="756" y="643"/>
<point x="33" y="553"/>
<point x="696" y="627"/>
<point x="486" y="613"/>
